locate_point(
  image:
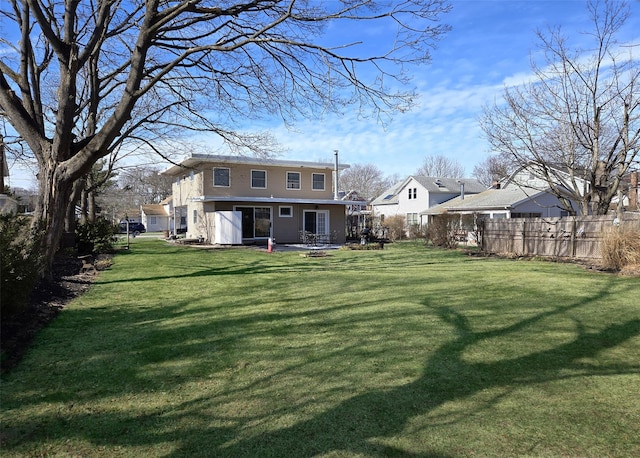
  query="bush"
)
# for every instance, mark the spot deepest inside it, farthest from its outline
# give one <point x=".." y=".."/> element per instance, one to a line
<point x="442" y="231"/>
<point x="20" y="262"/>
<point x="621" y="247"/>
<point x="395" y="227"/>
<point x="95" y="237"/>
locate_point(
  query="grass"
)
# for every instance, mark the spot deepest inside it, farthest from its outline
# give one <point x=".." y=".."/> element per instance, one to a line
<point x="408" y="351"/>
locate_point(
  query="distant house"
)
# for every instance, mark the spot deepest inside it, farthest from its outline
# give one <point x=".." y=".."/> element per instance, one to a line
<point x="7" y="203"/>
<point x="522" y="195"/>
<point x="416" y="194"/>
<point x="232" y="199"/>
<point x="157" y="217"/>
<point x="358" y="212"/>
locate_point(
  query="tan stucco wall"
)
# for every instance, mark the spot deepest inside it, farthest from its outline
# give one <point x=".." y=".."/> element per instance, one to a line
<point x="240" y="178"/>
<point x="189" y="186"/>
<point x="287" y="230"/>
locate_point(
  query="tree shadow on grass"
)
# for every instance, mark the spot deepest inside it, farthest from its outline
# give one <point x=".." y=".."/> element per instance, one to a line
<point x="354" y="425"/>
<point x="363" y="423"/>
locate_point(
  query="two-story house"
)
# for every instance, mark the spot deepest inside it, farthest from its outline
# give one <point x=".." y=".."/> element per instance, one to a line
<point x="417" y="193"/>
<point x="234" y="199"/>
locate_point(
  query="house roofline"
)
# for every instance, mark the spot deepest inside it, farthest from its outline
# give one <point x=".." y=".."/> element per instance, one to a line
<point x="196" y="159"/>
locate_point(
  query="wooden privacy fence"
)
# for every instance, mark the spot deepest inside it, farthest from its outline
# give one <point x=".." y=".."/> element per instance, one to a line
<point x="569" y="237"/>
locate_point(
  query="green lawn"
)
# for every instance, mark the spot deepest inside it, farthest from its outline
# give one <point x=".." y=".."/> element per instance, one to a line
<point x="409" y="351"/>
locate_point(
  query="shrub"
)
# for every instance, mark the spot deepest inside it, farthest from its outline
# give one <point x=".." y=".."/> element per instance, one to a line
<point x="442" y="230"/>
<point x="95" y="237"/>
<point x="20" y="262"/>
<point x="621" y="247"/>
<point x="395" y="227"/>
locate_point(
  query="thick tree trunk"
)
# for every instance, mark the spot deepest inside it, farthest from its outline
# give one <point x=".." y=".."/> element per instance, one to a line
<point x="53" y="199"/>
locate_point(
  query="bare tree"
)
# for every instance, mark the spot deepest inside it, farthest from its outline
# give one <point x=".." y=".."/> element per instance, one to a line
<point x="493" y="168"/>
<point x="440" y="166"/>
<point x="85" y="76"/>
<point x="367" y="179"/>
<point x="576" y="124"/>
<point x="146" y="183"/>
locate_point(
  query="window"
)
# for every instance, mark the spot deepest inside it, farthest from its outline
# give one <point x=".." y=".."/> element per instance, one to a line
<point x="415" y="193"/>
<point x="318" y="182"/>
<point x="153" y="221"/>
<point x="259" y="179"/>
<point x="409" y="193"/>
<point x="195" y="217"/>
<point x="293" y="180"/>
<point x="286" y="212"/>
<point x="221" y="176"/>
<point x="412" y="219"/>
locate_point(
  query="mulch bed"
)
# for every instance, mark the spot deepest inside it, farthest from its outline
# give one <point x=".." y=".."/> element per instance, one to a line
<point x="47" y="300"/>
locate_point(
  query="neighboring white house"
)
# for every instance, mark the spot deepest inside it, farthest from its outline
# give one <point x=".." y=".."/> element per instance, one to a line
<point x="416" y="194"/>
<point x="156" y="217"/>
<point x="522" y="195"/>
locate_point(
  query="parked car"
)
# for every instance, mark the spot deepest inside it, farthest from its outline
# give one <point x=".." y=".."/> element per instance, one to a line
<point x="134" y="228"/>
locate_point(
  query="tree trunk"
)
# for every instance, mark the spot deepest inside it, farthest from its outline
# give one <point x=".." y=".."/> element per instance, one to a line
<point x="70" y="219"/>
<point x="91" y="206"/>
<point x="84" y="205"/>
<point x="51" y="209"/>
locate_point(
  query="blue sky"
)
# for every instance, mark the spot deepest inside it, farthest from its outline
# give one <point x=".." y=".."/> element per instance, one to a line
<point x="489" y="47"/>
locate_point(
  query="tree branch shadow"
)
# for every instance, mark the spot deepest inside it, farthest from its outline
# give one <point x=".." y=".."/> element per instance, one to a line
<point x="446" y="377"/>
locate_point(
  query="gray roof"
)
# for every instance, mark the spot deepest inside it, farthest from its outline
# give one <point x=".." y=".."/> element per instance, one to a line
<point x="450" y="185"/>
<point x="390" y="196"/>
<point x="434" y="185"/>
<point x="491" y="199"/>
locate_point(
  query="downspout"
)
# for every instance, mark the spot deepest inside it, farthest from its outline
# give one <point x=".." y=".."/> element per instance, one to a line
<point x="335" y="183"/>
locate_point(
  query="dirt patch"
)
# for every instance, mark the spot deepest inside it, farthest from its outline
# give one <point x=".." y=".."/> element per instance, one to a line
<point x="49" y="297"/>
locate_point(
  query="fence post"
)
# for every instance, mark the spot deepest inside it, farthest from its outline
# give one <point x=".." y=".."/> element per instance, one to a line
<point x="574" y="226"/>
<point x="524" y="245"/>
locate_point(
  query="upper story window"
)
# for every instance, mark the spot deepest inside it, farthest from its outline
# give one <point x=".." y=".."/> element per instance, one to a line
<point x="413" y="193"/>
<point x="259" y="179"/>
<point x="221" y="176"/>
<point x="318" y="182"/>
<point x="293" y="180"/>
